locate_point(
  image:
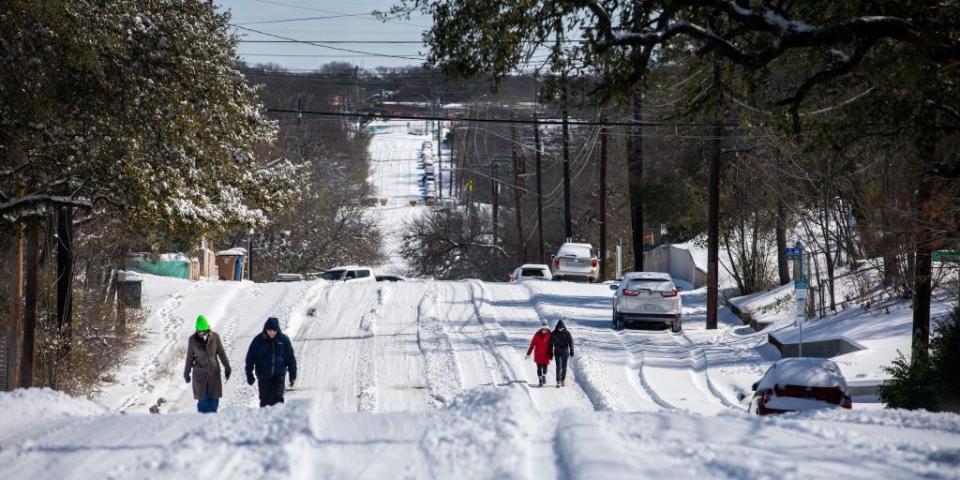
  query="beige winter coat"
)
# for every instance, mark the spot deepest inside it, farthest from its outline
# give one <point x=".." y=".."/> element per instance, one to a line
<point x="202" y="360"/>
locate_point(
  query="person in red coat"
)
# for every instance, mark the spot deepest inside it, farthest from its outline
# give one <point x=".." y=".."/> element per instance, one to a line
<point x="542" y="349"/>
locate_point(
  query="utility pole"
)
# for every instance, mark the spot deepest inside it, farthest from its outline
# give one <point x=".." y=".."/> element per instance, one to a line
<point x="603" y="201"/>
<point x="496" y="201"/>
<point x="15" y="324"/>
<point x="536" y="143"/>
<point x="517" y="195"/>
<point x="713" y="210"/>
<point x="567" y="220"/>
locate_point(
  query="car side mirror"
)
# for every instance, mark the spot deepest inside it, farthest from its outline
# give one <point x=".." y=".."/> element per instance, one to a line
<point x="754" y="386"/>
<point x="614" y="287"/>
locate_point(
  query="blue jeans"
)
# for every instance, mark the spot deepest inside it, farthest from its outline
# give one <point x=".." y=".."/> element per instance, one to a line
<point x="208" y="405"/>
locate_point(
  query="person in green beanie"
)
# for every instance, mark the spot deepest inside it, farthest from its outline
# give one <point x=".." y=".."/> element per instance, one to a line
<point x="205" y="353"/>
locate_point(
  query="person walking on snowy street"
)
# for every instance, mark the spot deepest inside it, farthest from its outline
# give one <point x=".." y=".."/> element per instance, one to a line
<point x="204" y="349"/>
<point x="542" y="351"/>
<point x="562" y="343"/>
<point x="271" y="356"/>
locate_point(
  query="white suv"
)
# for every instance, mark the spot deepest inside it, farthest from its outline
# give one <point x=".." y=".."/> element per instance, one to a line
<point x="646" y="297"/>
<point x="530" y="271"/>
<point x="576" y="261"/>
<point x="349" y="274"/>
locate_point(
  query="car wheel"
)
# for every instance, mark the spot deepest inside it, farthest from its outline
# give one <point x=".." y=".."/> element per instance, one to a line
<point x="614" y="320"/>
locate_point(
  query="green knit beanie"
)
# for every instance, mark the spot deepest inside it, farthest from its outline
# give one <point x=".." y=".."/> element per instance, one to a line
<point x="202" y="323"/>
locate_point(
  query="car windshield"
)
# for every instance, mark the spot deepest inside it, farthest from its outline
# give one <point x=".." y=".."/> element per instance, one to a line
<point x="532" y="272"/>
<point x="333" y="274"/>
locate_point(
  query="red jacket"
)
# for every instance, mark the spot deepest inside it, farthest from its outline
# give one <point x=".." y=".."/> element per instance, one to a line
<point x="541" y="347"/>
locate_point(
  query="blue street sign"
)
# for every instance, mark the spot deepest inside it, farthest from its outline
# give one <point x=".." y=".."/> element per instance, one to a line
<point x="794" y="251"/>
<point x="800" y="284"/>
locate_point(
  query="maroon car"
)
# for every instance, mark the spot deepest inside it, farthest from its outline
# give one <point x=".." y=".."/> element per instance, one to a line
<point x="795" y="384"/>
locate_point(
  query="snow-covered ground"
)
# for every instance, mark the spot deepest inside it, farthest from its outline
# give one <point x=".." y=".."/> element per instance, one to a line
<point x="394" y="172"/>
<point x="428" y="379"/>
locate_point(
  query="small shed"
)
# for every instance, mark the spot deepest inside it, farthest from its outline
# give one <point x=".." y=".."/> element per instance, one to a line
<point x="230" y="263"/>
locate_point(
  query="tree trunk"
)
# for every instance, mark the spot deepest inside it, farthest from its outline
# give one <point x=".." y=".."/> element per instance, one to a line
<point x="783" y="266"/>
<point x="64" y="267"/>
<point x="122" y="290"/>
<point x="922" y="288"/>
<point x="30" y="306"/>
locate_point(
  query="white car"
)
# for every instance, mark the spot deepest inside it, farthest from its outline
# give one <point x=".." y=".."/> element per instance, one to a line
<point x="646" y="297"/>
<point x="530" y="271"/>
<point x="350" y="273"/>
<point x="576" y="261"/>
<point x="800" y="383"/>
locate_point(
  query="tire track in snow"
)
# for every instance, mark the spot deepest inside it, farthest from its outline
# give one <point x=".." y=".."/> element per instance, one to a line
<point x="598" y="352"/>
<point x="440" y="364"/>
<point x="512" y="345"/>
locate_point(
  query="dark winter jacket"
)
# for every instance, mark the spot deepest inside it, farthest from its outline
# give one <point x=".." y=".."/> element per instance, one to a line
<point x="202" y="362"/>
<point x="562" y="340"/>
<point x="271" y="357"/>
<point x="541" y="348"/>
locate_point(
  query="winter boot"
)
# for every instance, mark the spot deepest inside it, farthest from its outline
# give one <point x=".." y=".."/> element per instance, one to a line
<point x="542" y="381"/>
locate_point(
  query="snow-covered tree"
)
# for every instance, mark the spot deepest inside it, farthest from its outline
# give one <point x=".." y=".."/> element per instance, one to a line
<point x="136" y="108"/>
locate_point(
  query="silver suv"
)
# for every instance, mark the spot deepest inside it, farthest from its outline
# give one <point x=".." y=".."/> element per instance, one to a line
<point x="576" y="261"/>
<point x="646" y="297"/>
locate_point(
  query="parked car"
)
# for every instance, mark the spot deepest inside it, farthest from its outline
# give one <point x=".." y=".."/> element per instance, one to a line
<point x="576" y="261"/>
<point x="801" y="383"/>
<point x="649" y="298"/>
<point x="350" y="273"/>
<point x="531" y="271"/>
<point x="288" y="277"/>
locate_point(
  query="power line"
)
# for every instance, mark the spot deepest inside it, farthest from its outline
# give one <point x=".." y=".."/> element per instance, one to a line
<point x="365" y="16"/>
<point x="301" y="19"/>
<point x="348" y="50"/>
<point x="374" y="42"/>
<point x="486" y="120"/>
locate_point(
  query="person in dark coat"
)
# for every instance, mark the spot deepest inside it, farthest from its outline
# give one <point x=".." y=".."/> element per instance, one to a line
<point x="562" y="343"/>
<point x="542" y="351"/>
<point x="204" y="349"/>
<point x="271" y="357"/>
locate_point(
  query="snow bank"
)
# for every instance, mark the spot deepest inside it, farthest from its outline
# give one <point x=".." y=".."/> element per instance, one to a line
<point x="33" y="409"/>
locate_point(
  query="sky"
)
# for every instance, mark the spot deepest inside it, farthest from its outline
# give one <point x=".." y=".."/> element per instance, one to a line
<point x="324" y="21"/>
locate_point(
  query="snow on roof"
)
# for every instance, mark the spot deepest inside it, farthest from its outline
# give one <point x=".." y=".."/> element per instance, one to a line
<point x="534" y="265"/>
<point x="647" y="275"/>
<point x="804" y="372"/>
<point x="575" y="250"/>
<point x="233" y="251"/>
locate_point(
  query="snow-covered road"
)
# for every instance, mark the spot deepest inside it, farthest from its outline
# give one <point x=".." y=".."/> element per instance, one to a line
<point x="428" y="379"/>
